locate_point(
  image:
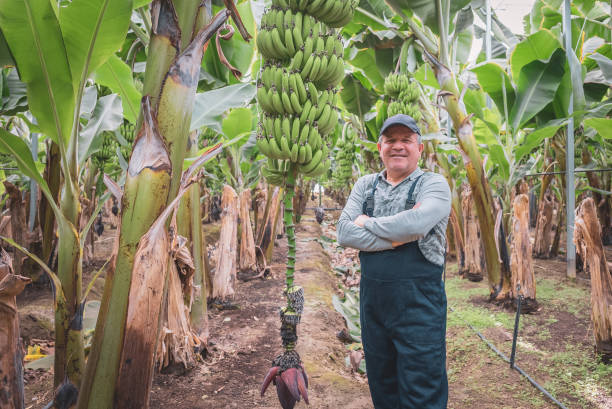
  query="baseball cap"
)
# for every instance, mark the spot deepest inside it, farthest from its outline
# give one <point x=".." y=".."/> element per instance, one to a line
<point x="400" y="119"/>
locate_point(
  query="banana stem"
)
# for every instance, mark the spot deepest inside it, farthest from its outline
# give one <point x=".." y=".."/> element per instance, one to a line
<point x="289" y="226"/>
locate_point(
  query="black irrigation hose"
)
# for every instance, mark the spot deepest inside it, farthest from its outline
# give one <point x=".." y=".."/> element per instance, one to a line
<point x="505" y="358"/>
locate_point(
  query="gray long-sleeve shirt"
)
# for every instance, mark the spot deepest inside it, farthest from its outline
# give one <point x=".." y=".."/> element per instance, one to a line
<point x="391" y="222"/>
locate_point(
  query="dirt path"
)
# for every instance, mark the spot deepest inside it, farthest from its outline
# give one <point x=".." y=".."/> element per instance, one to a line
<point x="555" y="344"/>
<point x="246" y="341"/>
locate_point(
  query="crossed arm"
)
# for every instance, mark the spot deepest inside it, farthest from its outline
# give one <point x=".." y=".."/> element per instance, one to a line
<point x="382" y="233"/>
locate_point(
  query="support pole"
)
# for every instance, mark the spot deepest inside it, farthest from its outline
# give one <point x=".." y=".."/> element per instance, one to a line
<point x="487" y="41"/>
<point x="569" y="156"/>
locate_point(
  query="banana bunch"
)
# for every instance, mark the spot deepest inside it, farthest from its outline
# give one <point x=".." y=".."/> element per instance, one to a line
<point x="345" y="157"/>
<point x="403" y="96"/>
<point x="127" y="131"/>
<point x="296" y="87"/>
<point x="276" y="170"/>
<point x="313" y="49"/>
<point x="334" y="13"/>
<point x="107" y="152"/>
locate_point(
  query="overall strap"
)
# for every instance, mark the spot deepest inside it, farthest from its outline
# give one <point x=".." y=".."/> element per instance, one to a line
<point x="368" y="206"/>
<point x="411" y="202"/>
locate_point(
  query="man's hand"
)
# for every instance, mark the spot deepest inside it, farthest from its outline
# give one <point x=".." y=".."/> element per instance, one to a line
<point x="361" y="219"/>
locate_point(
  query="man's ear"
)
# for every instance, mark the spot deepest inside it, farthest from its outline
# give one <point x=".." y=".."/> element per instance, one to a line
<point x="378" y="146"/>
<point x="421" y="147"/>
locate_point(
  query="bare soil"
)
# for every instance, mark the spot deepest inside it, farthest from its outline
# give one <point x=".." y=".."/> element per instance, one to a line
<point x="244" y="341"/>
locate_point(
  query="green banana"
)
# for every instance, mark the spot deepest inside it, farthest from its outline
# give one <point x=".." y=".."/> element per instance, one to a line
<point x="287" y="103"/>
<point x="286" y="151"/>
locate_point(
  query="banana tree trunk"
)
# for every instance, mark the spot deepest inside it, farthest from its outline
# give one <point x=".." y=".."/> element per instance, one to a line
<point x="45" y="212"/>
<point x="558" y="146"/>
<point x="19" y="225"/>
<point x="225" y="273"/>
<point x="11" y="357"/>
<point x="544" y="224"/>
<point x="144" y="198"/>
<point x="601" y="201"/>
<point x="248" y="261"/>
<point x="521" y="263"/>
<point x="589" y="245"/>
<point x="498" y="273"/>
<point x="152" y="183"/>
<point x="267" y="235"/>
<point x="473" y="266"/>
<point x="193" y="232"/>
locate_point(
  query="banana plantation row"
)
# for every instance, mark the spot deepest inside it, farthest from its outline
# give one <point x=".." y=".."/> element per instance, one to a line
<point x="162" y="114"/>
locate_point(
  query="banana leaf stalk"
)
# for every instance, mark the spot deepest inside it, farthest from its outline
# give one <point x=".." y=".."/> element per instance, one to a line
<point x="144" y="197"/>
<point x="498" y="271"/>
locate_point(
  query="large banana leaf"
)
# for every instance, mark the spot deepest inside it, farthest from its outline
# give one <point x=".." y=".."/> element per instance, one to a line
<point x="365" y="60"/>
<point x="107" y="116"/>
<point x="425" y="10"/>
<point x="494" y="80"/>
<point x="6" y="58"/>
<point x="537" y="84"/>
<point x="93" y="30"/>
<point x="19" y="150"/>
<point x="602" y="125"/>
<point x="538" y="46"/>
<point x="14" y="96"/>
<point x="33" y="34"/>
<point x="355" y="97"/>
<point x="535" y="138"/>
<point x="117" y="76"/>
<point x="210" y="106"/>
<point x="238" y="122"/>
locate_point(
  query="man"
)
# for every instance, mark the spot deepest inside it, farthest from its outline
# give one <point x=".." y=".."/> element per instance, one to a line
<point x="397" y="219"/>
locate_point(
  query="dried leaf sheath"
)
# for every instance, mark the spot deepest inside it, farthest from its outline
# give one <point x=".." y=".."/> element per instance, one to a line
<point x="589" y="246"/>
<point x="144" y="198"/>
<point x="225" y="273"/>
<point x="11" y="365"/>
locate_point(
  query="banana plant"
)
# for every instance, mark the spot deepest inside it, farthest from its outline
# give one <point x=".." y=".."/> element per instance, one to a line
<point x="56" y="50"/>
<point x="118" y="374"/>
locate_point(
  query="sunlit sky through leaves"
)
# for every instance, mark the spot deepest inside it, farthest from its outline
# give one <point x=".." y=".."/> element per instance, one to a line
<point x="511" y="13"/>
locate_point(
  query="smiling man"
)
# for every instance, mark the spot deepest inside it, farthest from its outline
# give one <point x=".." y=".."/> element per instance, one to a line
<point x="397" y="219"/>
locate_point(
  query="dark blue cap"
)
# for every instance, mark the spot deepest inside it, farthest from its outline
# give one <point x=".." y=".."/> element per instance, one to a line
<point x="400" y="119"/>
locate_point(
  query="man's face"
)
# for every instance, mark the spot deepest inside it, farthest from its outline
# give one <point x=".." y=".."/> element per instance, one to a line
<point x="400" y="150"/>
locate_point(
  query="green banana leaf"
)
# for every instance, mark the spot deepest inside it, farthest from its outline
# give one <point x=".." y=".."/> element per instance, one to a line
<point x="603" y="126"/>
<point x="6" y="59"/>
<point x="239" y="121"/>
<point x="93" y="30"/>
<point x="538" y="46"/>
<point x="425" y="10"/>
<point x="535" y="138"/>
<point x="494" y="79"/>
<point x="32" y="32"/>
<point x="14" y="95"/>
<point x="355" y="97"/>
<point x="498" y="157"/>
<point x="107" y="116"/>
<point x="210" y="105"/>
<point x="536" y="87"/>
<point x="366" y="61"/>
<point x="117" y="76"/>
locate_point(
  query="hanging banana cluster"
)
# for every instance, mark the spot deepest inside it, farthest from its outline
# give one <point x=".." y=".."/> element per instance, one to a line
<point x="297" y="83"/>
<point x="345" y="157"/>
<point x="127" y="131"/>
<point x="107" y="152"/>
<point x="296" y="91"/>
<point x="403" y="96"/>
